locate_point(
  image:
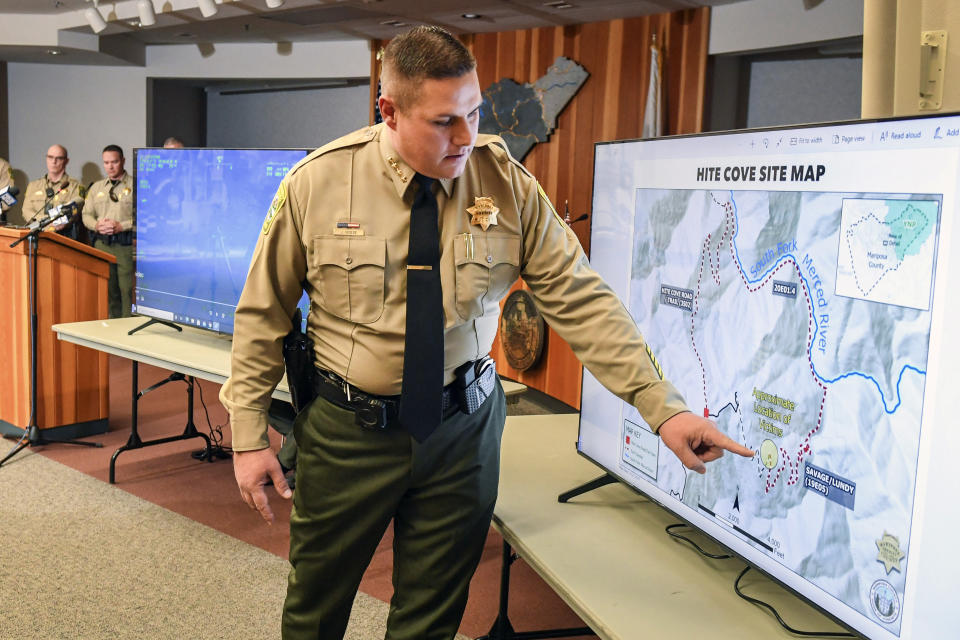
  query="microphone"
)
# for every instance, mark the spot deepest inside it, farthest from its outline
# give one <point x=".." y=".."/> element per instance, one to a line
<point x="59" y="214"/>
<point x="8" y="196"/>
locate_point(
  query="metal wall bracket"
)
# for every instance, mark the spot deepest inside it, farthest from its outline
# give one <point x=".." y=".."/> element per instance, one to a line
<point x="933" y="57"/>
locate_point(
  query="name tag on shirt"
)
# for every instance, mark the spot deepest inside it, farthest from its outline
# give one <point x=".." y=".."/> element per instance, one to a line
<point x="348" y="229"/>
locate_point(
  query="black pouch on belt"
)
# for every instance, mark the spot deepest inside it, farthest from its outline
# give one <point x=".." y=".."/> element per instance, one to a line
<point x="475" y="382"/>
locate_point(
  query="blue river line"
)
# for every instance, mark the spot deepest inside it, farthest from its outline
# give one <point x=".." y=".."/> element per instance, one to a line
<point x="816" y="326"/>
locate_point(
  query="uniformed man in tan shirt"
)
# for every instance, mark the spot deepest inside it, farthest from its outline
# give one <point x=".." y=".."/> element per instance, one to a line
<point x="343" y="223"/>
<point x="54" y="189"/>
<point x="109" y="216"/>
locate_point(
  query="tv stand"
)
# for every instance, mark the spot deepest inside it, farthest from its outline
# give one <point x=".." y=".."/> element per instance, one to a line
<point x="154" y="321"/>
<point x="596" y="483"/>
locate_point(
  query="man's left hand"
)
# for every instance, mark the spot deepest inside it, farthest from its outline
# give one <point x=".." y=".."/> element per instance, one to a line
<point x="697" y="441"/>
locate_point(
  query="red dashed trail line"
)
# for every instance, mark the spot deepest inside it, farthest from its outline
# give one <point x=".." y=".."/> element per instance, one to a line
<point x="788" y="463"/>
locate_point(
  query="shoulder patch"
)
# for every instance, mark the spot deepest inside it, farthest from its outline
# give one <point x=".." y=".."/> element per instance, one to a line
<point x="278" y="201"/>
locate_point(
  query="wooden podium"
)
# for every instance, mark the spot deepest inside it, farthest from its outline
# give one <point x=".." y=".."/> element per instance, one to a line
<point x="72" y="381"/>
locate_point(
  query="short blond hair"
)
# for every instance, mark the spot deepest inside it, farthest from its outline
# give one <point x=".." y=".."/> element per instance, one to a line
<point x="421" y="53"/>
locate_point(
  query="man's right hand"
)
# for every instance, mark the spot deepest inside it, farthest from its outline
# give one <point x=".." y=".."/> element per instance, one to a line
<point x="253" y="469"/>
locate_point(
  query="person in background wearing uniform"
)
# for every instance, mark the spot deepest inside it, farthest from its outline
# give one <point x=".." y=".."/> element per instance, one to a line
<point x="108" y="214"/>
<point x="406" y="235"/>
<point x="6" y="180"/>
<point x="172" y="143"/>
<point x="54" y="189"/>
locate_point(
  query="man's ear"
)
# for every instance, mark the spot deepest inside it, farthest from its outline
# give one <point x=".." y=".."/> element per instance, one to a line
<point x="388" y="111"/>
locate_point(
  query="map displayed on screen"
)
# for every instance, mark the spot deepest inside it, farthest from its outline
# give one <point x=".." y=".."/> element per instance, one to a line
<point x="797" y="286"/>
<point x="802" y="321"/>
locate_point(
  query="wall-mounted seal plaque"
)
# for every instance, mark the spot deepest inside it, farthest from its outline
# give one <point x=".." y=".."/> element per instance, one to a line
<point x="521" y="331"/>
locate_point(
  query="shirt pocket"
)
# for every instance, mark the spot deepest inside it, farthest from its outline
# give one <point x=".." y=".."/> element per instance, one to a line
<point x="349" y="278"/>
<point x="487" y="266"/>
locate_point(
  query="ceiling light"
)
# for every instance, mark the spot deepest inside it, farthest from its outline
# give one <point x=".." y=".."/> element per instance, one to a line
<point x="394" y="23"/>
<point x="147" y="15"/>
<point x="94" y="19"/>
<point x="273" y="4"/>
<point x="54" y="52"/>
<point x="208" y="8"/>
<point x="471" y="16"/>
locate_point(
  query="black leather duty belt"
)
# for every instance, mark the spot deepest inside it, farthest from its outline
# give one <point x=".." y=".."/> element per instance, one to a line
<point x="123" y="238"/>
<point x="371" y="411"/>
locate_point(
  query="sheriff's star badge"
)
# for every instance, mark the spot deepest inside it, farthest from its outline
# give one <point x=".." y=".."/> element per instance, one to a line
<point x="483" y="212"/>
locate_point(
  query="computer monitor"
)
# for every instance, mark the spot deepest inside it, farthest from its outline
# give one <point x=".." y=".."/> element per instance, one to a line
<point x="199" y="214"/>
<point x="797" y="286"/>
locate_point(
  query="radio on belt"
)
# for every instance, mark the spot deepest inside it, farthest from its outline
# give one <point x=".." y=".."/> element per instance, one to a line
<point x="474" y="383"/>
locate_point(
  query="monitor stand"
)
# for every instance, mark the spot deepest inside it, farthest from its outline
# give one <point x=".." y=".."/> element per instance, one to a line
<point x="596" y="483"/>
<point x="154" y="321"/>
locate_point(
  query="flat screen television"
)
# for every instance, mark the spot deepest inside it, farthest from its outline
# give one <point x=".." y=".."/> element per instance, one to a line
<point x="199" y="214"/>
<point x="797" y="286"/>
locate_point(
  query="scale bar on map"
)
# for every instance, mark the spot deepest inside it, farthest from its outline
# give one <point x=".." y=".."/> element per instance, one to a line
<point x="736" y="528"/>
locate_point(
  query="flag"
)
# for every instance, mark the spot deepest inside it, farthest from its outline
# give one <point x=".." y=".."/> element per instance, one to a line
<point x="653" y="110"/>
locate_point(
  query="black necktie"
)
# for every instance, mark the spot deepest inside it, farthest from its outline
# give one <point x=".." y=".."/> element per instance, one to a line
<point x="421" y="396"/>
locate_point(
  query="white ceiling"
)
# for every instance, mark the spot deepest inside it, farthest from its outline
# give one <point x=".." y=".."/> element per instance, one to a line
<point x="180" y="21"/>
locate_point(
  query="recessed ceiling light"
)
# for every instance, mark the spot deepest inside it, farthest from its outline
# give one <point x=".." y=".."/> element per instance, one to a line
<point x="134" y="23"/>
<point x="185" y="35"/>
<point x="558" y="4"/>
<point x="471" y="16"/>
<point x="54" y="52"/>
<point x="394" y="23"/>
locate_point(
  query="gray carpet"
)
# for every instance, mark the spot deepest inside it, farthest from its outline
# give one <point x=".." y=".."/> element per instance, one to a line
<point x="83" y="559"/>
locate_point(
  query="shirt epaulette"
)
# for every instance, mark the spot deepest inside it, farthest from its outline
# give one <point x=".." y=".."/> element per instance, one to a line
<point x="498" y="148"/>
<point x="352" y="139"/>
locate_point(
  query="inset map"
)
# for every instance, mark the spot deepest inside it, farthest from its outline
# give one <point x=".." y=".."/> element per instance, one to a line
<point x="886" y="251"/>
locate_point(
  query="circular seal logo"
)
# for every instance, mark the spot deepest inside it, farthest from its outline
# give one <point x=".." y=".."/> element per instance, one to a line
<point x="884" y="601"/>
<point x="521" y="331"/>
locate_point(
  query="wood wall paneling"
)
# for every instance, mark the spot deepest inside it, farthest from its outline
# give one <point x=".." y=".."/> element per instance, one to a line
<point x="609" y="106"/>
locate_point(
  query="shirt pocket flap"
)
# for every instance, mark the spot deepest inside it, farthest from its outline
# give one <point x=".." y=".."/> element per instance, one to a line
<point x="488" y="251"/>
<point x="350" y="252"/>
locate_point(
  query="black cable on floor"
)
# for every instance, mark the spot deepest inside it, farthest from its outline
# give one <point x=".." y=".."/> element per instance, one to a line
<point x="761" y="603"/>
<point x="216" y="433"/>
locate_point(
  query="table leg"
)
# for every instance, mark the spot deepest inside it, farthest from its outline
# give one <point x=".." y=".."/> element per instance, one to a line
<point x="503" y="630"/>
<point x="134" y="441"/>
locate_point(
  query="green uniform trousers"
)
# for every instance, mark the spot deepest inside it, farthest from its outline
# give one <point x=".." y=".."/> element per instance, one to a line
<point x="120" y="285"/>
<point x="351" y="482"/>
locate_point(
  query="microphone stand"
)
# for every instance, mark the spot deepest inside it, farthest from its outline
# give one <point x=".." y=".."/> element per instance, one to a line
<point x="31" y="436"/>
